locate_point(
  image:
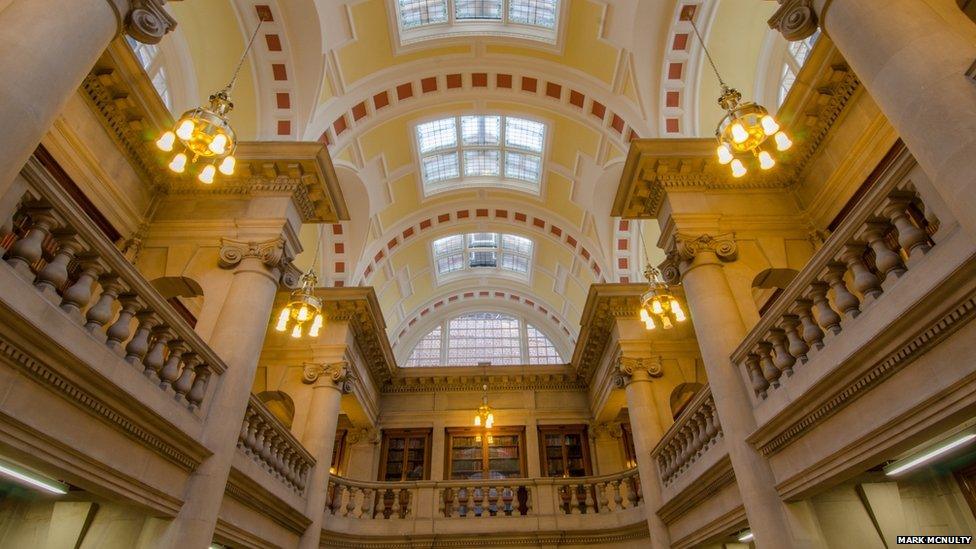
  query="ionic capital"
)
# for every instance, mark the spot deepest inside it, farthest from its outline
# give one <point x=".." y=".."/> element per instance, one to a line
<point x="686" y="247"/>
<point x="795" y="19"/>
<point x="269" y="252"/>
<point x="143" y="20"/>
<point x="629" y="368"/>
<point x="335" y="373"/>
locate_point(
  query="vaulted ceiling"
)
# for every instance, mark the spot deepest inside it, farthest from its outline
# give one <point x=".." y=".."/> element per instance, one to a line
<point x="345" y="73"/>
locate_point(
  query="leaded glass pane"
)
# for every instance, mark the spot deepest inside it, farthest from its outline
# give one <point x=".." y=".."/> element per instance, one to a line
<point x="484" y="337"/>
<point x="483" y="240"/>
<point x="524" y="134"/>
<point x="478" y="9"/>
<point x="416" y="13"/>
<point x="449" y="244"/>
<point x="480" y="130"/>
<point x="428" y="350"/>
<point x="516" y="244"/>
<point x="517" y="263"/>
<point x="481" y="163"/>
<point x="440" y="167"/>
<point x="540" y="348"/>
<point x="483" y="259"/>
<point x="525" y="167"/>
<point x="439" y="134"/>
<point x="539" y="13"/>
<point x="450" y="263"/>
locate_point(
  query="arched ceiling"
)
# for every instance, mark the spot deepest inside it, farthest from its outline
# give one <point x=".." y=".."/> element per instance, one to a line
<point x="335" y="71"/>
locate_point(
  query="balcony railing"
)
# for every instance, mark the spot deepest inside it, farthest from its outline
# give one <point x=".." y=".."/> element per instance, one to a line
<point x="473" y="500"/>
<point x="54" y="247"/>
<point x="272" y="446"/>
<point x="696" y="431"/>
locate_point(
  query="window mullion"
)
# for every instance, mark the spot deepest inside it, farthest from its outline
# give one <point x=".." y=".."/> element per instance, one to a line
<point x="445" y="338"/>
<point x="524" y="341"/>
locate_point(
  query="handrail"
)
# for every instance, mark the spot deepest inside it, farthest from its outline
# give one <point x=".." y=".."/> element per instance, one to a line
<point x="696" y="430"/>
<point x="270" y="444"/>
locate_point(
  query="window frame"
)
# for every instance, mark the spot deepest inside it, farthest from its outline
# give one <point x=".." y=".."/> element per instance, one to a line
<point x="454" y="27"/>
<point x="155" y="68"/>
<point x="774" y="61"/>
<point x="467" y="249"/>
<point x="462" y="181"/>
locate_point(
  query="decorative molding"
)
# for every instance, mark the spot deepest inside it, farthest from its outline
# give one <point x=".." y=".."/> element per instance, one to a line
<point x="604" y="304"/>
<point x="872" y="377"/>
<point x="368" y="434"/>
<point x="336" y="372"/>
<point x="686" y="247"/>
<point x="269" y="252"/>
<point x="795" y="19"/>
<point x="610" y="429"/>
<point x="251" y="494"/>
<point x="94" y="405"/>
<point x="147" y="21"/>
<point x="499" y="380"/>
<point x="704" y="487"/>
<point x="628" y="366"/>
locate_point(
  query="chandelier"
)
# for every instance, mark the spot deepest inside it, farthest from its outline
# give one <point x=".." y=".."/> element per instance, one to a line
<point x="746" y="129"/>
<point x="205" y="135"/>
<point x="484" y="417"/>
<point x="658" y="302"/>
<point x="303" y="307"/>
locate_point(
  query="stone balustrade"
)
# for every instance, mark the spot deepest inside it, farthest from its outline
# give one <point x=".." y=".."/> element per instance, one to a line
<point x="887" y="233"/>
<point x="696" y="431"/>
<point x="482" y="499"/>
<point x="271" y="445"/>
<point x="55" y="247"/>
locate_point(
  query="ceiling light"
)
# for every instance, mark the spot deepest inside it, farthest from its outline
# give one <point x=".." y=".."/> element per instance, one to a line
<point x="34" y="480"/>
<point x="902" y="466"/>
<point x="746" y="536"/>
<point x="658" y="302"/>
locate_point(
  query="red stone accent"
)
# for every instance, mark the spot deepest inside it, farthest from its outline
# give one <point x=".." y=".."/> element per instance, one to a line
<point x="279" y="72"/>
<point x="543" y="310"/>
<point x="264" y="12"/>
<point x="571" y="241"/>
<point x="598" y="110"/>
<point x="453" y="81"/>
<point x="439" y="304"/>
<point x="624" y="225"/>
<point x="554" y="90"/>
<point x="688" y="12"/>
<point x="617" y="123"/>
<point x="555" y="230"/>
<point x="407" y="233"/>
<point x="499" y="294"/>
<point x="273" y="41"/>
<point x="340" y="267"/>
<point x="671" y="125"/>
<point x="503" y="81"/>
<point x="468" y="294"/>
<point x="412" y="322"/>
<point x="379" y="255"/>
<point x="381" y="100"/>
<point x="585" y="253"/>
<point x="443" y="218"/>
<point x="625" y="280"/>
<point x="463" y="214"/>
<point x="672" y="99"/>
<point x="529" y="84"/>
<point x="324" y="138"/>
<point x="674" y="70"/>
<point x="501" y="213"/>
<point x="425" y="224"/>
<point x="404" y="91"/>
<point x="452" y="299"/>
<point x="336" y="229"/>
<point x="521" y="217"/>
<point x="515" y="298"/>
<point x="339" y="284"/>
<point x="424" y="312"/>
<point x="340" y="125"/>
<point x="633" y="135"/>
<point x="680" y="42"/>
<point x="284" y="127"/>
<point x="529" y="302"/>
<point x="359" y="111"/>
<point x="484" y="294"/>
<point x="576" y="98"/>
<point x="622" y="244"/>
<point x="428" y="85"/>
<point x="283" y="100"/>
<point x="622" y="263"/>
<point x="481" y="212"/>
<point x="479" y="79"/>
<point x="596" y="268"/>
<point x="340" y="248"/>
<point x="539" y="222"/>
<point x="392" y="244"/>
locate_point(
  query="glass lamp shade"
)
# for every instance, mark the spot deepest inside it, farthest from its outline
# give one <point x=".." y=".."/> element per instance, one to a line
<point x="303" y="311"/>
<point x="659" y="306"/>
<point x="742" y="129"/>
<point x="203" y="133"/>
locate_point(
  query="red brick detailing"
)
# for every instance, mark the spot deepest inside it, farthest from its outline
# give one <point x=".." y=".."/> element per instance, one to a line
<point x="501" y="213"/>
<point x="499" y="294"/>
<point x="674" y="70"/>
<point x="555" y="230"/>
<point x="520" y="217"/>
<point x="688" y="12"/>
<point x="340" y="267"/>
<point x="622" y="244"/>
<point x="424" y="312"/>
<point x="412" y="321"/>
<point x="284" y="127"/>
<point x="339" y="284"/>
<point x="359" y="111"/>
<point x="529" y="84"/>
<point x="672" y="99"/>
<point x="340" y="248"/>
<point x="632" y="135"/>
<point x="622" y="263"/>
<point x="624" y="225"/>
<point x="596" y="268"/>
<point x="453" y="81"/>
<point x="407" y="233"/>
<point x="503" y="81"/>
<point x="379" y="255"/>
<point x="554" y="90"/>
<point x="576" y="98"/>
<point x="598" y="110"/>
<point x="543" y="310"/>
<point x="571" y="241"/>
<point x="283" y="100"/>
<point x="340" y="125"/>
<point x="392" y="244"/>
<point x="279" y="72"/>
<point x="324" y="138"/>
<point x="617" y="123"/>
<point x="425" y="224"/>
<point x="439" y="304"/>
<point x="625" y="280"/>
<point x="538" y="222"/>
<point x="273" y="41"/>
<point x="443" y="218"/>
<point x="479" y="80"/>
<point x="481" y="212"/>
<point x="585" y="253"/>
<point x="381" y="100"/>
<point x="264" y="12"/>
<point x="671" y="125"/>
<point x="514" y="298"/>
<point x="484" y="294"/>
<point x="463" y="214"/>
<point x="428" y="85"/>
<point x="529" y="302"/>
<point x="452" y="299"/>
<point x="680" y="42"/>
<point x="404" y="91"/>
<point x="336" y="229"/>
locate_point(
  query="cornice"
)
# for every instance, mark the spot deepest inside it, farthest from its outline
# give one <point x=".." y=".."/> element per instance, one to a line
<point x="250" y="493"/>
<point x="604" y="304"/>
<point x="499" y="378"/>
<point x="359" y="307"/>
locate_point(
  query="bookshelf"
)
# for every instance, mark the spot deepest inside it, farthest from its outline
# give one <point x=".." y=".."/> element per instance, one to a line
<point x="564" y="451"/>
<point x="405" y="455"/>
<point x="503" y="456"/>
<point x="338" y="451"/>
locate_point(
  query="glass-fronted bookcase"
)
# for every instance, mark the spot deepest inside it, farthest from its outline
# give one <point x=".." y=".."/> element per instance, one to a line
<point x="405" y="455"/>
<point x="473" y="455"/>
<point x="564" y="451"/>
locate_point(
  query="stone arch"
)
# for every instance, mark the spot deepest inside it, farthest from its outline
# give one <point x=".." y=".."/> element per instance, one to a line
<point x="177" y="286"/>
<point x="774" y="278"/>
<point x="280" y="404"/>
<point x="681" y="395"/>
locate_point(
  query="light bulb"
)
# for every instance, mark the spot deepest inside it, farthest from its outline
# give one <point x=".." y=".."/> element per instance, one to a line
<point x="477" y="421"/>
<point x="297" y="331"/>
<point x="282" y="320"/>
<point x="738" y="169"/>
<point x="649" y="324"/>
<point x="314" y="331"/>
<point x="318" y="321"/>
<point x="769" y="125"/>
<point x="302" y="314"/>
<point x="679" y="315"/>
<point x="656" y="307"/>
<point x="782" y="141"/>
<point x="766" y="160"/>
<point x="207" y="174"/>
<point x="739" y="134"/>
<point x="724" y="154"/>
<point x="227" y="166"/>
<point x="179" y="163"/>
<point x="666" y="322"/>
<point x="675" y="305"/>
<point x="491" y="420"/>
<point x="165" y="142"/>
<point x="643" y="315"/>
<point x="219" y="144"/>
<point x="185" y="130"/>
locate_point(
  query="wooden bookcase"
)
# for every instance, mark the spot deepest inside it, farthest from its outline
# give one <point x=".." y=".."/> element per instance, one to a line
<point x="564" y="451"/>
<point x="630" y="452"/>
<point x="338" y="451"/>
<point x="501" y="456"/>
<point x="405" y="455"/>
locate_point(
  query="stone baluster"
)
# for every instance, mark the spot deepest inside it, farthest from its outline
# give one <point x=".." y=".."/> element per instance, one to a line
<point x="492" y="497"/>
<point x="618" y="498"/>
<point x="797" y="347"/>
<point x="844" y="301"/>
<point x="590" y="500"/>
<point x="508" y="495"/>
<point x="171" y="369"/>
<point x="79" y="294"/>
<point x="120" y="329"/>
<point x="336" y="503"/>
<point x="712" y="429"/>
<point x="910" y="237"/>
<point x="103" y="310"/>
<point x="54" y="275"/>
<point x="199" y="389"/>
<point x="397" y="509"/>
<point x="184" y="383"/>
<point x="769" y="370"/>
<point x="603" y="501"/>
<point x="827" y="318"/>
<point x="782" y="359"/>
<point x="365" y="509"/>
<point x="138" y="347"/>
<point x="155" y="358"/>
<point x="809" y="330"/>
<point x="27" y="251"/>
<point x="886" y="260"/>
<point x="863" y="280"/>
<point x="632" y="497"/>
<point x="759" y="384"/>
<point x="351" y="504"/>
<point x="447" y="502"/>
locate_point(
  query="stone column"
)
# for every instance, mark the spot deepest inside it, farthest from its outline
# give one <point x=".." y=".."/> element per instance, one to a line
<point x="720" y="330"/>
<point x="49" y="46"/>
<point x="912" y="56"/>
<point x="318" y="439"/>
<point x="237" y="339"/>
<point x="635" y="374"/>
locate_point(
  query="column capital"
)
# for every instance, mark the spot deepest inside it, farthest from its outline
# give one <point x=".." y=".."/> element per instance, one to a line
<point x="368" y="434"/>
<point x="333" y="374"/>
<point x="685" y="248"/>
<point x="271" y="253"/>
<point x="144" y="20"/>
<point x="629" y="368"/>
<point x="795" y="19"/>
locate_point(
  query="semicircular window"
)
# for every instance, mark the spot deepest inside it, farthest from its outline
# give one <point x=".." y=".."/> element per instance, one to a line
<point x="482" y="253"/>
<point x="428" y="19"/>
<point x="481" y="150"/>
<point x="484" y="338"/>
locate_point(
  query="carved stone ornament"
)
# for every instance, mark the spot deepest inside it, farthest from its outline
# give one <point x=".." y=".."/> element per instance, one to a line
<point x="270" y="252"/>
<point x="147" y="21"/>
<point x="367" y="434"/>
<point x="612" y="429"/>
<point x="337" y="372"/>
<point x="628" y="366"/>
<point x="795" y="19"/>
<point x="687" y="247"/>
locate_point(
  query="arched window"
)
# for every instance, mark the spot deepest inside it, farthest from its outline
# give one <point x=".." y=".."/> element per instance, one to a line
<point x="425" y="19"/>
<point x="484" y="337"/>
<point x="151" y="61"/>
<point x="796" y="55"/>
<point x="506" y="254"/>
<point x="501" y="151"/>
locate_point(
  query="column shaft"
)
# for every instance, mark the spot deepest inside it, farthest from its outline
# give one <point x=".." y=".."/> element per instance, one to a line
<point x="320" y="430"/>
<point x="646" y="428"/>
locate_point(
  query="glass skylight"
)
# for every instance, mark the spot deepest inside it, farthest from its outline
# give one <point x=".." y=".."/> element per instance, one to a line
<point x="796" y="55"/>
<point x="425" y="19"/>
<point x="417" y="13"/>
<point x="482" y="251"/>
<point x="479" y="147"/>
<point x="474" y="338"/>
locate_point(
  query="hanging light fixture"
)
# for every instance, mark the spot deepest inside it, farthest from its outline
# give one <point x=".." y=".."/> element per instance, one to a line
<point x="205" y="135"/>
<point x="484" y="417"/>
<point x="304" y="307"/>
<point x="658" y="302"/>
<point x="747" y="128"/>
